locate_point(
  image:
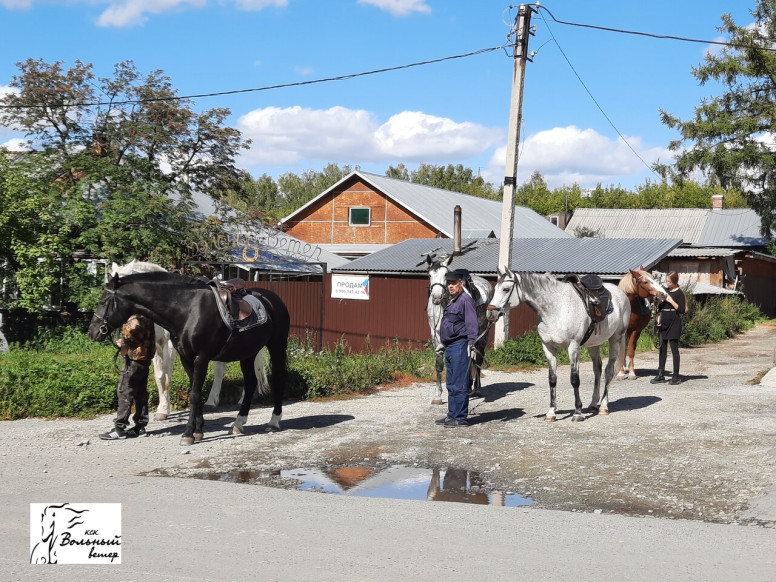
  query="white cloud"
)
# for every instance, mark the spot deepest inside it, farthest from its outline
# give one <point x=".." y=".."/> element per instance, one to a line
<point x="15" y="145"/>
<point x="399" y="7"/>
<point x="290" y="135"/>
<point x="16" y="4"/>
<point x="133" y="12"/>
<point x="259" y="4"/>
<point x="127" y="13"/>
<point x="569" y="155"/>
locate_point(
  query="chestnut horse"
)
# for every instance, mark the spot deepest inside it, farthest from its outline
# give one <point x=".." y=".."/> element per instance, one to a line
<point x="641" y="289"/>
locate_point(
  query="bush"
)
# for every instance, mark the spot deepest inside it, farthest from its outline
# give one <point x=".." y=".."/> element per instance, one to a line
<point x="718" y="318"/>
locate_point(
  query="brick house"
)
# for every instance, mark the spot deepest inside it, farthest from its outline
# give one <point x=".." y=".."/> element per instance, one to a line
<point x="364" y="213"/>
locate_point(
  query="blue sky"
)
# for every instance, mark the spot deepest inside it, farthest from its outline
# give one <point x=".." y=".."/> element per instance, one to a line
<point x="455" y="111"/>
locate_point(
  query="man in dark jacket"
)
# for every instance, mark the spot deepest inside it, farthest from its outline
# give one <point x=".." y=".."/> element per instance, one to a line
<point x="458" y="333"/>
<point x="670" y="328"/>
<point x="137" y="349"/>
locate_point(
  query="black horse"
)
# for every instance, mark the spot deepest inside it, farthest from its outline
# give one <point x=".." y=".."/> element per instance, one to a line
<point x="188" y="309"/>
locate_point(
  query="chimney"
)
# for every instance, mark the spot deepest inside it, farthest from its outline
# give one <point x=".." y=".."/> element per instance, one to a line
<point x="457" y="230"/>
<point x="717" y="201"/>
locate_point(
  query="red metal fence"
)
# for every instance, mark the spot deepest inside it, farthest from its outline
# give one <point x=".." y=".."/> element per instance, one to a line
<point x="394" y="314"/>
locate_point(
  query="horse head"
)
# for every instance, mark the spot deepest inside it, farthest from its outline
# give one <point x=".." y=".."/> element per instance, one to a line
<point x="645" y="286"/>
<point x="54" y="520"/>
<point x="505" y="294"/>
<point x="437" y="269"/>
<point x="107" y="316"/>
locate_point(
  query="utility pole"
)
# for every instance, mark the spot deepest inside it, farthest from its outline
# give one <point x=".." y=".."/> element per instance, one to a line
<point x="522" y="33"/>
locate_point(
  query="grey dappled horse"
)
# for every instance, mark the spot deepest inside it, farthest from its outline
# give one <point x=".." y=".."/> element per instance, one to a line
<point x="562" y="323"/>
<point x="164" y="359"/>
<point x="437" y="301"/>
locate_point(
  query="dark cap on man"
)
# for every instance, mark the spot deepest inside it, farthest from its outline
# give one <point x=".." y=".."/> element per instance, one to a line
<point x="457" y="275"/>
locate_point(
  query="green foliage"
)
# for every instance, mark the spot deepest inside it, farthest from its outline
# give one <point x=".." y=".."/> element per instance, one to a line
<point x="103" y="181"/>
<point x="719" y="318"/>
<point x="339" y="371"/>
<point x="725" y="137"/>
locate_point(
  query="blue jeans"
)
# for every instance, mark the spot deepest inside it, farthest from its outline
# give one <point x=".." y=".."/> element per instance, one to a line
<point x="458" y="380"/>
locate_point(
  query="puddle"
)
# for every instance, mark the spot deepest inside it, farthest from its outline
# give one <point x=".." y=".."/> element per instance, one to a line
<point x="396" y="482"/>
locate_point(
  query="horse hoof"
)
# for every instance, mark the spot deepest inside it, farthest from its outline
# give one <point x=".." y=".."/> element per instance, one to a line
<point x="187" y="441"/>
<point x="197" y="437"/>
<point x="632" y="377"/>
<point x="237" y="431"/>
<point x="436" y="401"/>
<point x="549" y="419"/>
<point x="603" y="412"/>
<point x="622" y="376"/>
<point x="475" y="394"/>
<point x="270" y="428"/>
<point x="160" y="416"/>
<point x="592" y="409"/>
<point x="577" y="418"/>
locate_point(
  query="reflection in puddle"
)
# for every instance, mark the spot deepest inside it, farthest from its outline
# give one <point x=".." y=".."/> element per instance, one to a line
<point x="397" y="482"/>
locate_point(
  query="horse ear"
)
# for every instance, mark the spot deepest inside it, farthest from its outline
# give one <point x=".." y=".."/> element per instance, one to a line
<point x="115" y="280"/>
<point x="634" y="273"/>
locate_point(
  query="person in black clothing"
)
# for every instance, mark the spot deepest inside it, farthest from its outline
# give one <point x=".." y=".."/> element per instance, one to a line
<point x="670" y="325"/>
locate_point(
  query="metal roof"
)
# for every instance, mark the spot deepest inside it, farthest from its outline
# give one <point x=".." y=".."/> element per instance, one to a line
<point x="568" y="255"/>
<point x="733" y="227"/>
<point x="435" y="207"/>
<point x="281" y="248"/>
<point x="703" y="252"/>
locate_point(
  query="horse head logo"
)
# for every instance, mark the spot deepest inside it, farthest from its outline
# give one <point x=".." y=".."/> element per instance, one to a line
<point x="54" y="520"/>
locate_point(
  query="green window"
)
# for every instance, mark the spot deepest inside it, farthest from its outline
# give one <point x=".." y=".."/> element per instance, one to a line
<point x="360" y="216"/>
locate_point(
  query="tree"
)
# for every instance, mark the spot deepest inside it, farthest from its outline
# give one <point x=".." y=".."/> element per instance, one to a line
<point x="453" y="178"/>
<point x="731" y="136"/>
<point x="113" y="161"/>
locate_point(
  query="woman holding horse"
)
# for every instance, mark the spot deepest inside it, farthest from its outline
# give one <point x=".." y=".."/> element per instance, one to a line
<point x="670" y="328"/>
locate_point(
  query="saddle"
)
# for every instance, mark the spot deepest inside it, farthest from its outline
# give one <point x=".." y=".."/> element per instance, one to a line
<point x="238" y="308"/>
<point x="597" y="299"/>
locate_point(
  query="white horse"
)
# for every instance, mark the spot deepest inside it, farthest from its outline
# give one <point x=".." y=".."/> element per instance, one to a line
<point x="437" y="301"/>
<point x="164" y="359"/>
<point x="563" y="322"/>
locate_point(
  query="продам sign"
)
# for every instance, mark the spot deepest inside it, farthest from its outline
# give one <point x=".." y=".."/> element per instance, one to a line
<point x="350" y="287"/>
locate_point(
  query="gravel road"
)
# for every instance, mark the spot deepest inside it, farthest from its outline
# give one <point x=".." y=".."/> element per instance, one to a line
<point x="703" y="451"/>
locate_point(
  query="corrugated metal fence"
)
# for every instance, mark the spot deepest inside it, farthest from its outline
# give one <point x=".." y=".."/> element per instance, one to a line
<point x="394" y="314"/>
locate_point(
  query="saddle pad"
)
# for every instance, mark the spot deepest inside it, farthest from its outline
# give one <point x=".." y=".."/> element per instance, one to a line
<point x="258" y="307"/>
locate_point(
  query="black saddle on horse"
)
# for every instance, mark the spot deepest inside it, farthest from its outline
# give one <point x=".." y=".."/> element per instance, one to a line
<point x="596" y="297"/>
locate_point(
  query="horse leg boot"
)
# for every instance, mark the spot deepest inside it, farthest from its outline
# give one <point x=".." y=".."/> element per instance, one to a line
<point x="251" y="381"/>
<point x="595" y="356"/>
<point x="574" y="357"/>
<point x="553" y="378"/>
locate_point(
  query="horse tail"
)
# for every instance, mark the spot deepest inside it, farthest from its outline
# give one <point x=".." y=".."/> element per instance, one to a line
<point x="277" y="346"/>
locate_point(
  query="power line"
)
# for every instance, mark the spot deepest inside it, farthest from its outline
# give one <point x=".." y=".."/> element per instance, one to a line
<point x="598" y="105"/>
<point x="267" y="87"/>
<point x="653" y="35"/>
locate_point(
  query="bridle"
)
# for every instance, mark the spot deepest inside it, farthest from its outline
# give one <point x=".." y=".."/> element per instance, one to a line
<point x="500" y="310"/>
<point x="105" y="327"/>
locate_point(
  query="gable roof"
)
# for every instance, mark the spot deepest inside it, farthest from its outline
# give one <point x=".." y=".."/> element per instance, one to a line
<point x="604" y="257"/>
<point x="435" y="207"/>
<point x="698" y="227"/>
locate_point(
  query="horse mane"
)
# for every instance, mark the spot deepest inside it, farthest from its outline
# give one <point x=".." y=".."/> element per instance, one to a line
<point x="171" y="278"/>
<point x="627" y="284"/>
<point x="537" y="284"/>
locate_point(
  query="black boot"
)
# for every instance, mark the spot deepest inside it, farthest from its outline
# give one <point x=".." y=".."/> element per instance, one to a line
<point x="659" y="379"/>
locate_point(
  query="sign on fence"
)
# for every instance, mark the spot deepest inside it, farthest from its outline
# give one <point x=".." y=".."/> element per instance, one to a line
<point x="350" y="287"/>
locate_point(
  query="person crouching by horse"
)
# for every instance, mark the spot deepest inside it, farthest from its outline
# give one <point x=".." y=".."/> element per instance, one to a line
<point x="670" y="325"/>
<point x="458" y="333"/>
<point x="136" y="346"/>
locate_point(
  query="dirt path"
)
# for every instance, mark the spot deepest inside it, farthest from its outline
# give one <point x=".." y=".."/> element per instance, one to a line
<point x="703" y="450"/>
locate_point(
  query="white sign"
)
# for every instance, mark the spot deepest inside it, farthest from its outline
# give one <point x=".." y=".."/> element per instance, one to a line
<point x="75" y="533"/>
<point x="350" y="287"/>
